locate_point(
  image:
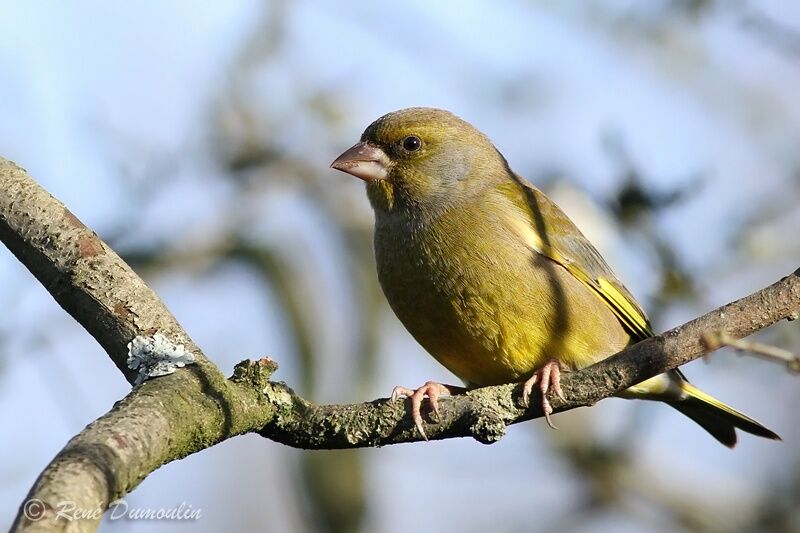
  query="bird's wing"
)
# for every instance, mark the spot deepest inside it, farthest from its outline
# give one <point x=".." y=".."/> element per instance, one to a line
<point x="555" y="236"/>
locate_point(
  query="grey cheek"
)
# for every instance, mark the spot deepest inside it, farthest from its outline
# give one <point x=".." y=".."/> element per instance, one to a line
<point x="457" y="167"/>
<point x="461" y="170"/>
<point x="464" y="162"/>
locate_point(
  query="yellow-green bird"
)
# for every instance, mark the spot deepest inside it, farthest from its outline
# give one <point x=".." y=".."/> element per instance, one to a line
<point x="491" y="277"/>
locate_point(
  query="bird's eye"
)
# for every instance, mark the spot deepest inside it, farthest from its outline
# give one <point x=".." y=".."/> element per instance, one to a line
<point x="412" y="143"/>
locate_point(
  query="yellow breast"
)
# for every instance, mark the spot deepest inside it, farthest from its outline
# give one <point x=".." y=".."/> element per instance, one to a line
<point x="484" y="304"/>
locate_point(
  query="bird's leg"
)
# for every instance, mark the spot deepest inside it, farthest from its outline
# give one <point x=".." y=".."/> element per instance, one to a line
<point x="547" y="377"/>
<point x="432" y="390"/>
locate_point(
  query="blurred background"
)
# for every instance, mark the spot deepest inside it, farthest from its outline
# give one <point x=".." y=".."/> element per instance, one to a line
<point x="195" y="138"/>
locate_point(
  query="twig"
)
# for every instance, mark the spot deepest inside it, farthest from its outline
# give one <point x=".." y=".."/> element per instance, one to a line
<point x="718" y="339"/>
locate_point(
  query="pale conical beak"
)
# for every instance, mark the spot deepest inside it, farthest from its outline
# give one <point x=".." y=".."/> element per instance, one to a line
<point x="363" y="161"/>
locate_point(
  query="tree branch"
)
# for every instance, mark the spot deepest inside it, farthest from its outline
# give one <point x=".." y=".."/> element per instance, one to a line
<point x="714" y="340"/>
<point x="173" y="416"/>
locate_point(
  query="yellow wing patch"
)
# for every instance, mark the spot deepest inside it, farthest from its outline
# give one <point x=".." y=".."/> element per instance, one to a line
<point x="618" y="300"/>
<point x="627" y="311"/>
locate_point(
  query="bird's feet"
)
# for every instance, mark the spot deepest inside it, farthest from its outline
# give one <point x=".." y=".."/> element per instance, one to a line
<point x="548" y="377"/>
<point x="433" y="391"/>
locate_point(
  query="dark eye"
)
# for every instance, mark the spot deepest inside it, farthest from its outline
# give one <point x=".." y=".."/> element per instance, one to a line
<point x="412" y="143"/>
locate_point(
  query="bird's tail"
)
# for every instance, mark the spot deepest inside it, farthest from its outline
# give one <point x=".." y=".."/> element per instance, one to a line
<point x="715" y="417"/>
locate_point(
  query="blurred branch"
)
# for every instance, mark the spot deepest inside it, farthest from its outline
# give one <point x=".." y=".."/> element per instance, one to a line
<point x="171" y="417"/>
<point x="716" y="340"/>
<point x="775" y="33"/>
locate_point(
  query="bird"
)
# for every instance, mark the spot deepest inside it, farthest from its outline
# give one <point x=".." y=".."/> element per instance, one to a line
<point x="492" y="278"/>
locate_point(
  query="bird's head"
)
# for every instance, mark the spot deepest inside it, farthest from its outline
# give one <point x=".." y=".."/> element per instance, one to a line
<point x="421" y="158"/>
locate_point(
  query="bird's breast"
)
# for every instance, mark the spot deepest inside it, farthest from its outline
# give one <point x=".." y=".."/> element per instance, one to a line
<point x="460" y="290"/>
<point x="485" y="305"/>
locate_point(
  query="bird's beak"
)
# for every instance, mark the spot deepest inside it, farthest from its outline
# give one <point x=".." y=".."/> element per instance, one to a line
<point x="363" y="161"/>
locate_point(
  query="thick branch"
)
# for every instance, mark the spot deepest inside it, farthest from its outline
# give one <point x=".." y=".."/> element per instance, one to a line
<point x="170" y="417"/>
<point x="162" y="420"/>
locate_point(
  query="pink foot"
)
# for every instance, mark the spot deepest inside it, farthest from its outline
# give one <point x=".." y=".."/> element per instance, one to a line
<point x="433" y="390"/>
<point x="548" y="377"/>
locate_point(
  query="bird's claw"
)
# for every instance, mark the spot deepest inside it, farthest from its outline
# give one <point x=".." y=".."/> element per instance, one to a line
<point x="548" y="377"/>
<point x="433" y="390"/>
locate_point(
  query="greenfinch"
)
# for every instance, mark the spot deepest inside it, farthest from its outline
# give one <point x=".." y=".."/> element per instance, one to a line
<point x="491" y="277"/>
